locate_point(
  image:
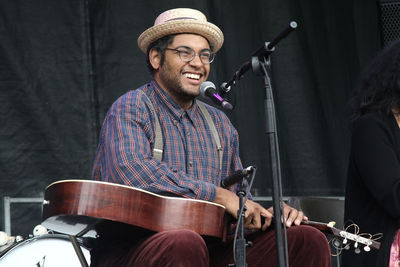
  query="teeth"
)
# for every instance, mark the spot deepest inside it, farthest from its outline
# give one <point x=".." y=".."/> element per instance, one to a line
<point x="192" y="76"/>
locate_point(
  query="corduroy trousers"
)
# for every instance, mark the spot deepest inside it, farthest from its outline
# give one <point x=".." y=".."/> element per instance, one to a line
<point x="307" y="247"/>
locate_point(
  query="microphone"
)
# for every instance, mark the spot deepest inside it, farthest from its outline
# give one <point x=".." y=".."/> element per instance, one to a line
<point x="236" y="177"/>
<point x="207" y="89"/>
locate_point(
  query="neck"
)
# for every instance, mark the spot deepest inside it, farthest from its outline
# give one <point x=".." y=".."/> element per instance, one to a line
<point x="184" y="101"/>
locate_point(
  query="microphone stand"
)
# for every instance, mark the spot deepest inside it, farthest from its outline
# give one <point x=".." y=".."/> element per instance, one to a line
<point x="271" y="131"/>
<point x="240" y="243"/>
<point x="259" y="67"/>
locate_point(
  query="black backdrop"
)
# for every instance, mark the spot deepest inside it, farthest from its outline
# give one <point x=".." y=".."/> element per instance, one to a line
<point x="62" y="64"/>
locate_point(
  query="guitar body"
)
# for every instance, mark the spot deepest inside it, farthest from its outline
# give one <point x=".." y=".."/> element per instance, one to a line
<point x="71" y="203"/>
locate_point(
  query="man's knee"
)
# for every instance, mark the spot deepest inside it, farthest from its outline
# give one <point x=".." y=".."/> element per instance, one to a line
<point x="173" y="248"/>
<point x="314" y="236"/>
<point x="185" y="240"/>
<point x="188" y="248"/>
<point x="306" y="241"/>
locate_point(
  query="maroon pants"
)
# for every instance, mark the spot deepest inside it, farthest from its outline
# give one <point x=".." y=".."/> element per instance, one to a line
<point x="307" y="247"/>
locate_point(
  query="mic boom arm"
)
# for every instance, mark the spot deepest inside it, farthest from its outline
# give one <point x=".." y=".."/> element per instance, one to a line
<point x="264" y="51"/>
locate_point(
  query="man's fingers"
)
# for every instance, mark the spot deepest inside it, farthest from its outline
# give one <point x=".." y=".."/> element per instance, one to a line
<point x="290" y="215"/>
<point x="295" y="216"/>
<point x="266" y="220"/>
<point x="300" y="217"/>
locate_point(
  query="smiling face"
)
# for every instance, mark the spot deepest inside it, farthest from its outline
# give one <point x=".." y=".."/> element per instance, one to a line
<point x="180" y="79"/>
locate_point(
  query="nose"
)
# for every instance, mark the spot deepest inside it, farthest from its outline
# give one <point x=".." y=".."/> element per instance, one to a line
<point x="196" y="61"/>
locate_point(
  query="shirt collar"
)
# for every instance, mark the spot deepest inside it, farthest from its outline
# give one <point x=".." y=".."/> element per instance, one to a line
<point x="167" y="101"/>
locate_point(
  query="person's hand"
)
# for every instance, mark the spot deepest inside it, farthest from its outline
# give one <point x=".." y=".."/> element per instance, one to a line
<point x="291" y="214"/>
<point x="256" y="215"/>
<point x="253" y="214"/>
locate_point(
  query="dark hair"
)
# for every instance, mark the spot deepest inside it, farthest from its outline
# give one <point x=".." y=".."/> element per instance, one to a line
<point x="160" y="45"/>
<point x="379" y="88"/>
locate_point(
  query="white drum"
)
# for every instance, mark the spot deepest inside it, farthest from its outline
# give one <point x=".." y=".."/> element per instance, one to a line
<point x="50" y="250"/>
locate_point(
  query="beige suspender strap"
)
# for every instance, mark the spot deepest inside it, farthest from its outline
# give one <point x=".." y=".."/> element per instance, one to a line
<point x="213" y="131"/>
<point x="158" y="142"/>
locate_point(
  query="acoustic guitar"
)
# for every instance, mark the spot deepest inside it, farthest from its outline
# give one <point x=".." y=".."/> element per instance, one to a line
<point x="70" y="206"/>
<point x="74" y="206"/>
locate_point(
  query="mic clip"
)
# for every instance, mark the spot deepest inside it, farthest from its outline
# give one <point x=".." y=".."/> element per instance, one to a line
<point x="237" y="176"/>
<point x="224" y="89"/>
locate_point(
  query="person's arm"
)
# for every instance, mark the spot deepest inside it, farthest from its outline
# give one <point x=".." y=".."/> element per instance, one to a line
<point x="256" y="216"/>
<point x="377" y="163"/>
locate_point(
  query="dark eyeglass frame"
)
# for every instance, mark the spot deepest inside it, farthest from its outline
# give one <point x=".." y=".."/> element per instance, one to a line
<point x="182" y="50"/>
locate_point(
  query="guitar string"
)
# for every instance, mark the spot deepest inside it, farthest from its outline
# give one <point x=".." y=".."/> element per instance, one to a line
<point x="379" y="236"/>
<point x="356" y="228"/>
<point x="338" y="248"/>
<point x="369" y="236"/>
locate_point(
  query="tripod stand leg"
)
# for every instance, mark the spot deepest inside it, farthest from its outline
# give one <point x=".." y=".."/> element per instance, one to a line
<point x="78" y="251"/>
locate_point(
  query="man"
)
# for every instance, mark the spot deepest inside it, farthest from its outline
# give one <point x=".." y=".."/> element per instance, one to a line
<point x="180" y="47"/>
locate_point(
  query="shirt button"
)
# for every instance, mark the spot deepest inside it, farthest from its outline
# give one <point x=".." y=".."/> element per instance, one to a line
<point x="188" y="134"/>
<point x="191" y="163"/>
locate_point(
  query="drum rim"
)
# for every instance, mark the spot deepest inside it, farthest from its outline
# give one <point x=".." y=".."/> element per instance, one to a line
<point x="45" y="236"/>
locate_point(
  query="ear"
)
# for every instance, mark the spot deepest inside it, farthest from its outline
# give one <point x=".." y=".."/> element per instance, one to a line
<point x="155" y="58"/>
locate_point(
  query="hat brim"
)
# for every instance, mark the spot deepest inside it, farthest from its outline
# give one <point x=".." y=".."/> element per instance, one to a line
<point x="208" y="30"/>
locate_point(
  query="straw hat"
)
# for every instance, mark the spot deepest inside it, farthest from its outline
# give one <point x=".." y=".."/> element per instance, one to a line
<point x="181" y="20"/>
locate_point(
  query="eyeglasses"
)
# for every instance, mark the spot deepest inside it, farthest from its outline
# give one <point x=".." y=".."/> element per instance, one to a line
<point x="187" y="54"/>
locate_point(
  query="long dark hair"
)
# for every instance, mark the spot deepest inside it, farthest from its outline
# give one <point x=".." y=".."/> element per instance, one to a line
<point x="379" y="88"/>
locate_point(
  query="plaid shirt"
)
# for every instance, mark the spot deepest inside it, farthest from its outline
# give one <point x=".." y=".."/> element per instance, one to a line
<point x="190" y="165"/>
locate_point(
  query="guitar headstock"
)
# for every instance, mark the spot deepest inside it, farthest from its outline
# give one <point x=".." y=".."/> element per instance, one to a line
<point x="356" y="241"/>
<point x="344" y="239"/>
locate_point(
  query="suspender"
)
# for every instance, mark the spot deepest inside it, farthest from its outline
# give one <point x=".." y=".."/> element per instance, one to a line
<point x="214" y="132"/>
<point x="158" y="142"/>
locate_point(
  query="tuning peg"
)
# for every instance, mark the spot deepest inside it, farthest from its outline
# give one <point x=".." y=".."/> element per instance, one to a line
<point x="347" y="247"/>
<point x="39" y="230"/>
<point x="367" y="248"/>
<point x="336" y="243"/>
<point x="356" y="249"/>
<point x="345" y="241"/>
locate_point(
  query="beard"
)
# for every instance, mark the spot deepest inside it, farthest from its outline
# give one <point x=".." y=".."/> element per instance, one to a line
<point x="172" y="82"/>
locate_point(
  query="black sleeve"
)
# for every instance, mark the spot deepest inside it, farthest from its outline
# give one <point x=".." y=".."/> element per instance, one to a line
<point x="376" y="161"/>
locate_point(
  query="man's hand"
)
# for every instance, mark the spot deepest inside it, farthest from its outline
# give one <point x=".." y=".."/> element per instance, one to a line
<point x="253" y="214"/>
<point x="291" y="215"/>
